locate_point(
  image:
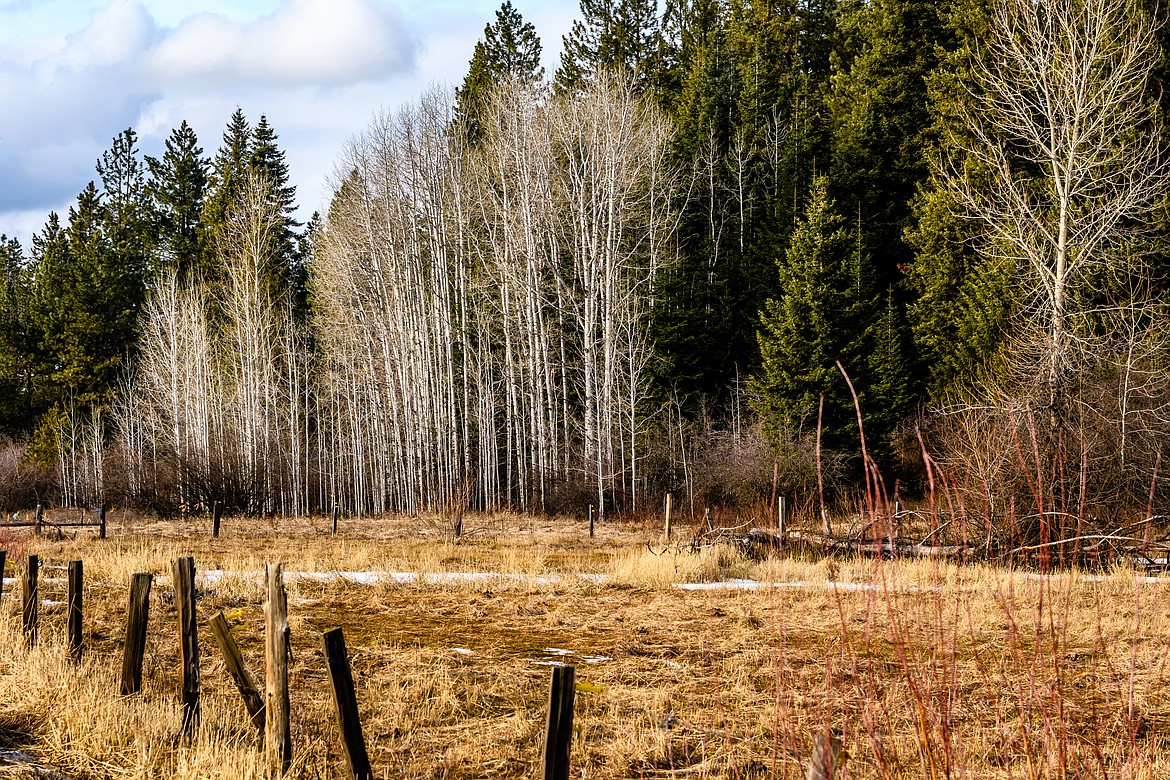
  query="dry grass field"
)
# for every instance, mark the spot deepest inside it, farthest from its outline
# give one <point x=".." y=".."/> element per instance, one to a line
<point x="926" y="670"/>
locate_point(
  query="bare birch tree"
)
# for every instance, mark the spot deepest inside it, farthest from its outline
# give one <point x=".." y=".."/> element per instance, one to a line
<point x="1057" y="158"/>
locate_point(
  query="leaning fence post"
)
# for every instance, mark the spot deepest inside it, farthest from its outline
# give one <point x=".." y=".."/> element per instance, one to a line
<point x="30" y="600"/>
<point x="669" y="506"/>
<point x="277" y="734"/>
<point x="559" y="733"/>
<point x="344" y="697"/>
<point x="135" y="648"/>
<point x="74" y="607"/>
<point x="183" y="577"/>
<point x="236" y="667"/>
<point x="40" y="518"/>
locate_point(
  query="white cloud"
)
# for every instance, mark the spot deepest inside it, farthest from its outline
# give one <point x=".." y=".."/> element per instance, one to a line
<point x="84" y="70"/>
<point x="321" y="42"/>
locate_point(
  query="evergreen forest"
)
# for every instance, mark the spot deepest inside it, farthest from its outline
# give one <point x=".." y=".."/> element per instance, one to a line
<point x="728" y="248"/>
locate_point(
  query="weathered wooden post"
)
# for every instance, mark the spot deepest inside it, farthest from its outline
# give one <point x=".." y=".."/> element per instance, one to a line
<point x="102" y="520"/>
<point x="31" y="600"/>
<point x="782" y="519"/>
<point x="591" y="521"/>
<point x="216" y="517"/>
<point x="183" y="576"/>
<point x="707" y="519"/>
<point x="40" y="518"/>
<point x="277" y="734"/>
<point x="669" y="506"/>
<point x="336" y="515"/>
<point x="559" y="731"/>
<point x="3" y="562"/>
<point x="236" y="667"/>
<point x="135" y="647"/>
<point x="74" y="621"/>
<point x="345" y="699"/>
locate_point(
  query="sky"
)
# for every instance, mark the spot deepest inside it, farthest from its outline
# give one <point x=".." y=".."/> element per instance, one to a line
<point x="75" y="73"/>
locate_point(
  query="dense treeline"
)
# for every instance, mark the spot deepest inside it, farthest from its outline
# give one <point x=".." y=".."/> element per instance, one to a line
<point x="685" y="257"/>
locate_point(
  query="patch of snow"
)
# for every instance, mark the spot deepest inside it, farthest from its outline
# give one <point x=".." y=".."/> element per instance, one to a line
<point x="50" y="603"/>
<point x="16" y="757"/>
<point x="462" y="651"/>
<point x="596" y="659"/>
<point x="557" y="651"/>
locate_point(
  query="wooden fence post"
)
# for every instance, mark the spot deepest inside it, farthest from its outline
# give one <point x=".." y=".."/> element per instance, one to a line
<point x="707" y="520"/>
<point x="336" y="514"/>
<point x="3" y="562"/>
<point x="591" y="521"/>
<point x="31" y="600"/>
<point x="559" y="734"/>
<point x="782" y="515"/>
<point x="135" y="648"/>
<point x="102" y="519"/>
<point x="183" y="577"/>
<point x="344" y="697"/>
<point x="277" y="734"/>
<point x="669" y="506"/>
<point x="236" y="667"/>
<point x="40" y="518"/>
<point x="216" y="516"/>
<point x="74" y="601"/>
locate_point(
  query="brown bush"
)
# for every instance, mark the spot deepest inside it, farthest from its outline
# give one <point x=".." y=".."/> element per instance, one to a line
<point x="23" y="483"/>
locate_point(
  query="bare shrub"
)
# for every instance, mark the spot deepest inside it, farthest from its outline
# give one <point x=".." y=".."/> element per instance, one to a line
<point x="1013" y="473"/>
<point x="23" y="483"/>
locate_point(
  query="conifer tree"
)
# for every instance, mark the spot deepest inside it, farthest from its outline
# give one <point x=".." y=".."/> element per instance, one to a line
<point x="86" y="303"/>
<point x="266" y="158"/>
<point x="126" y="225"/>
<point x="818" y="319"/>
<point x="611" y="34"/>
<point x="880" y="122"/>
<point x="17" y="341"/>
<point x="177" y="186"/>
<point x="229" y="171"/>
<point x="510" y="49"/>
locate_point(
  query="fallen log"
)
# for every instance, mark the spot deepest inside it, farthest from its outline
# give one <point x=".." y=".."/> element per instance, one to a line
<point x="760" y="537"/>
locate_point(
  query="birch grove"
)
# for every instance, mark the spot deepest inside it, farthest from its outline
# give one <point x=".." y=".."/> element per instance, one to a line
<point x="483" y="310"/>
<point x="216" y="409"/>
<point x="479" y="324"/>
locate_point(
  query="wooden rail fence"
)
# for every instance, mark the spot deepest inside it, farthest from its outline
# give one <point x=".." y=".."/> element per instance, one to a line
<point x="268" y="711"/>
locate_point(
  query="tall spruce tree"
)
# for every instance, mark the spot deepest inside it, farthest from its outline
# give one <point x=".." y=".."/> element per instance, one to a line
<point x="17" y="341"/>
<point x="961" y="301"/>
<point x="127" y="226"/>
<point x="86" y="303"/>
<point x="510" y="49"/>
<point x="229" y="171"/>
<point x="611" y="34"/>
<point x="819" y="318"/>
<point x="266" y="158"/>
<point x="177" y="186"/>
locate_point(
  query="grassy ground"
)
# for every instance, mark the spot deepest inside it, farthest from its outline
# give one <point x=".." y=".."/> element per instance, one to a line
<point x="926" y="670"/>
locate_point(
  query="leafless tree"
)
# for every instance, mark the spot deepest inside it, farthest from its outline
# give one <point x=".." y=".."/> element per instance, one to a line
<point x="1057" y="161"/>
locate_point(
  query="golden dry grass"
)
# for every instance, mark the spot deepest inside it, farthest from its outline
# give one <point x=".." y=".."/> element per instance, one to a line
<point x="927" y="670"/>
